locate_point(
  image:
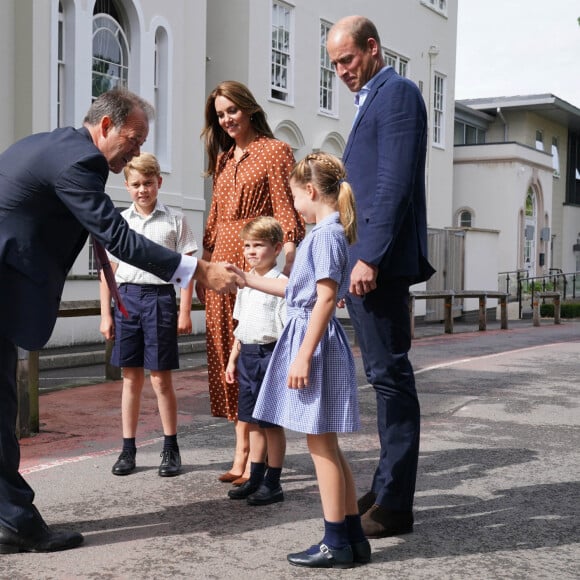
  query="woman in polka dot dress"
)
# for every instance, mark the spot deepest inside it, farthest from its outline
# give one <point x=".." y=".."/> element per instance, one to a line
<point x="250" y="170"/>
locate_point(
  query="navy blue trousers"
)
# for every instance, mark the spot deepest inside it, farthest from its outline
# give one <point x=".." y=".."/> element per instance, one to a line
<point x="382" y="325"/>
<point x="16" y="509"/>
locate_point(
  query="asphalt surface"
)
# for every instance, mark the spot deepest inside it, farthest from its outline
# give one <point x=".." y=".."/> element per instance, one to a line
<point x="498" y="490"/>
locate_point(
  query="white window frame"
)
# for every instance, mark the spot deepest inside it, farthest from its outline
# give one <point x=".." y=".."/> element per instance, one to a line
<point x="398" y="62"/>
<point x="60" y="67"/>
<point x="555" y="157"/>
<point x="438" y="123"/>
<point x="281" y="56"/>
<point x="439" y="6"/>
<point x="328" y="82"/>
<point x="116" y="31"/>
<point x="162" y="83"/>
<point x="539" y="140"/>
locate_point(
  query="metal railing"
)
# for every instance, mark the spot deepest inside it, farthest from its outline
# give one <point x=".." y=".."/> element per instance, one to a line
<point x="522" y="287"/>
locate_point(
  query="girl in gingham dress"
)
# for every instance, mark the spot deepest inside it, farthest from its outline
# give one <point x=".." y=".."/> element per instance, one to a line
<point x="310" y="385"/>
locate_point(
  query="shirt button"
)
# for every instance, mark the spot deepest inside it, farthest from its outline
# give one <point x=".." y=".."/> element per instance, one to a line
<point x="178" y="280"/>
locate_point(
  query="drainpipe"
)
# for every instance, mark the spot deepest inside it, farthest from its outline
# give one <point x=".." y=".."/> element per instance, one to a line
<point x="505" y="125"/>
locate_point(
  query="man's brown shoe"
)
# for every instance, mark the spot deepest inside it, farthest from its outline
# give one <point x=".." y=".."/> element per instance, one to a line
<point x="366" y="502"/>
<point x="380" y="522"/>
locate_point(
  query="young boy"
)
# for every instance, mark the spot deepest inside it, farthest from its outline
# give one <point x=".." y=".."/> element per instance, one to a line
<point x="260" y="319"/>
<point x="148" y="338"/>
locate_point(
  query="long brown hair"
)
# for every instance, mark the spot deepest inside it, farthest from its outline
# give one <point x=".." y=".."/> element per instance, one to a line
<point x="326" y="172"/>
<point x="216" y="139"/>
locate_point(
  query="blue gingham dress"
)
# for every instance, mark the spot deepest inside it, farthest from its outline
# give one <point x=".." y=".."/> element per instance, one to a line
<point x="329" y="404"/>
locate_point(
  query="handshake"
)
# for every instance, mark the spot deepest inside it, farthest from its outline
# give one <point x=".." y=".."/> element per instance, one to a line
<point x="222" y="278"/>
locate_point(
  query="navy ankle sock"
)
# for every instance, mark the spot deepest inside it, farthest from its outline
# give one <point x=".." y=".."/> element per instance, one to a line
<point x="170" y="442"/>
<point x="272" y="478"/>
<point x="129" y="445"/>
<point x="335" y="534"/>
<point x="257" y="471"/>
<point x="354" y="529"/>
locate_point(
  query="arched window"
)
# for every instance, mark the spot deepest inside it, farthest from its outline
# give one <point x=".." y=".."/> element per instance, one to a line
<point x="110" y="49"/>
<point x="161" y="88"/>
<point x="530" y="227"/>
<point x="465" y="219"/>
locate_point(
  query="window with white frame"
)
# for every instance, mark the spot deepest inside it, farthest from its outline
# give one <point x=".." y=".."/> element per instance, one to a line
<point x="60" y="85"/>
<point x="281" y="70"/>
<point x="439" y="6"/>
<point x="465" y="218"/>
<point x="328" y="93"/>
<point x="555" y="157"/>
<point x="110" y="49"/>
<point x="539" y="140"/>
<point x="438" y="137"/>
<point x="467" y="134"/>
<point x="398" y="62"/>
<point x="161" y="84"/>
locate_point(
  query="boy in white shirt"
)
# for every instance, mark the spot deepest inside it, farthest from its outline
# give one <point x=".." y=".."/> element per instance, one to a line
<point x="260" y="319"/>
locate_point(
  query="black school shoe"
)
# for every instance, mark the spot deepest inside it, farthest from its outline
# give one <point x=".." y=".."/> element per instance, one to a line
<point x="244" y="490"/>
<point x="265" y="496"/>
<point x="324" y="557"/>
<point x="170" y="463"/>
<point x="125" y="464"/>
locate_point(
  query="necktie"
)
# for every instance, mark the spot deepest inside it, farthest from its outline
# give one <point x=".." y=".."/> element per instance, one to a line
<point x="104" y="265"/>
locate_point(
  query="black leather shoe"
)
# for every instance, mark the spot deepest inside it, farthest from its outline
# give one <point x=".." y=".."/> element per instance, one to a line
<point x="42" y="540"/>
<point x="361" y="552"/>
<point x="325" y="557"/>
<point x="170" y="463"/>
<point x="244" y="490"/>
<point x="125" y="464"/>
<point x="366" y="502"/>
<point x="380" y="522"/>
<point x="265" y="496"/>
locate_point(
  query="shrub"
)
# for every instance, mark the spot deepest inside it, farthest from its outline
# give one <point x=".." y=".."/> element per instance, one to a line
<point x="567" y="310"/>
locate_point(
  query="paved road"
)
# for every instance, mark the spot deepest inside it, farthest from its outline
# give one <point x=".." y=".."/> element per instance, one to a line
<point x="498" y="489"/>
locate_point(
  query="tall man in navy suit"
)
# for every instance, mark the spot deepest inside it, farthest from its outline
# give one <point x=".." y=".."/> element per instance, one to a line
<point x="52" y="195"/>
<point x="385" y="164"/>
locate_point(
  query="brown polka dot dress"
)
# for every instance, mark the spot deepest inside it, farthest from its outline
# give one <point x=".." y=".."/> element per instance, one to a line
<point x="256" y="185"/>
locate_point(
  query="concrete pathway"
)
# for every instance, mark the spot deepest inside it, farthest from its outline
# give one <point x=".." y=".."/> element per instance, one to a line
<point x="498" y="491"/>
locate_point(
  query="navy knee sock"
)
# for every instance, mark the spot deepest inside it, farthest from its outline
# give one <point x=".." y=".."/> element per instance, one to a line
<point x="170" y="442"/>
<point x="129" y="445"/>
<point x="257" y="471"/>
<point x="335" y="536"/>
<point x="354" y="529"/>
<point x="272" y="478"/>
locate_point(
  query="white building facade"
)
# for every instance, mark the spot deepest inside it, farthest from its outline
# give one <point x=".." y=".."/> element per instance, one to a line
<point x="59" y="54"/>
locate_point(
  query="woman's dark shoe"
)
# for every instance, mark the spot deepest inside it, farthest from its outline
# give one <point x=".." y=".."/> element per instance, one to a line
<point x="361" y="552"/>
<point x="324" y="557"/>
<point x="125" y="464"/>
<point x="41" y="540"/>
<point x="243" y="491"/>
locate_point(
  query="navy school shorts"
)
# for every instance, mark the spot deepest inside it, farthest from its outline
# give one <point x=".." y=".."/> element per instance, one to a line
<point x="148" y="338"/>
<point x="252" y="364"/>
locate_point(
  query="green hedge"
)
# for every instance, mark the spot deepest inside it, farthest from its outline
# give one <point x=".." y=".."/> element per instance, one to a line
<point x="567" y="310"/>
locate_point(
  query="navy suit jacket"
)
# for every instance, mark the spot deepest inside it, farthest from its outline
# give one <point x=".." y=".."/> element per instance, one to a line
<point x="385" y="164"/>
<point x="52" y="194"/>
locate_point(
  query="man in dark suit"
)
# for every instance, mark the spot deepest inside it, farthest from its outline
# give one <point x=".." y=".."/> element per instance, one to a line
<point x="385" y="164"/>
<point x="52" y="195"/>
